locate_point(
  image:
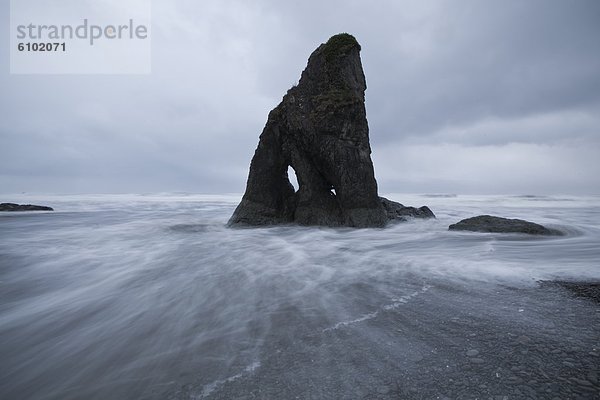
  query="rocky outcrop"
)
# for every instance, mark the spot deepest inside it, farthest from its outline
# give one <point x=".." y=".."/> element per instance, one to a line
<point x="488" y="223"/>
<point x="319" y="129"/>
<point x="23" y="207"/>
<point x="396" y="211"/>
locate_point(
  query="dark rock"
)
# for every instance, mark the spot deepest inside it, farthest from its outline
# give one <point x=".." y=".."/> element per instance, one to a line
<point x="587" y="290"/>
<point x="320" y="129"/>
<point x="488" y="223"/>
<point x="23" y="207"/>
<point x="397" y="211"/>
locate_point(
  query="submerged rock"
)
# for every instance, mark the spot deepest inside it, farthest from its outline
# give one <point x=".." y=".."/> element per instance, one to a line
<point x="320" y="129"/>
<point x="488" y="223"/>
<point x="587" y="290"/>
<point x="23" y="207"/>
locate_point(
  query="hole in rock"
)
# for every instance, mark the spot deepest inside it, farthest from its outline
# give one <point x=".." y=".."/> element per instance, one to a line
<point x="293" y="178"/>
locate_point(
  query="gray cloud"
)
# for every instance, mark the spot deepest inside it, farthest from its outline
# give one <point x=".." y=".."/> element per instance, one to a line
<point x="457" y="92"/>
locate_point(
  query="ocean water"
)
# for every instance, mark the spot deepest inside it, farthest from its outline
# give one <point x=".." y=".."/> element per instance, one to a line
<point x="153" y="297"/>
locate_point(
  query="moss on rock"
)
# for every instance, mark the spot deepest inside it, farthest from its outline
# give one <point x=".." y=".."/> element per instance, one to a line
<point x="339" y="45"/>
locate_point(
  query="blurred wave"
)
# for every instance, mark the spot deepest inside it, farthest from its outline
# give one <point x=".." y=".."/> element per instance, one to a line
<point x="151" y="296"/>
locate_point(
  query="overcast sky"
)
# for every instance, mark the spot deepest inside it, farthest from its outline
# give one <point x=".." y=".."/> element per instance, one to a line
<point x="463" y="97"/>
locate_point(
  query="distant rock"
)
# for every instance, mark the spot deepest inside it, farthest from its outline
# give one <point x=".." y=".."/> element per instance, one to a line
<point x="488" y="223"/>
<point x="320" y="129"/>
<point x="23" y="207"/>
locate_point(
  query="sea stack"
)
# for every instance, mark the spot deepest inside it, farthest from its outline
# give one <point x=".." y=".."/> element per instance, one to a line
<point x="320" y="129"/>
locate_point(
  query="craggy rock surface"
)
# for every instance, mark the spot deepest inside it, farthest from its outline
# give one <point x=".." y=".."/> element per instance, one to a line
<point x="23" y="207"/>
<point x="320" y="129"/>
<point x="488" y="223"/>
<point x="397" y="211"/>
